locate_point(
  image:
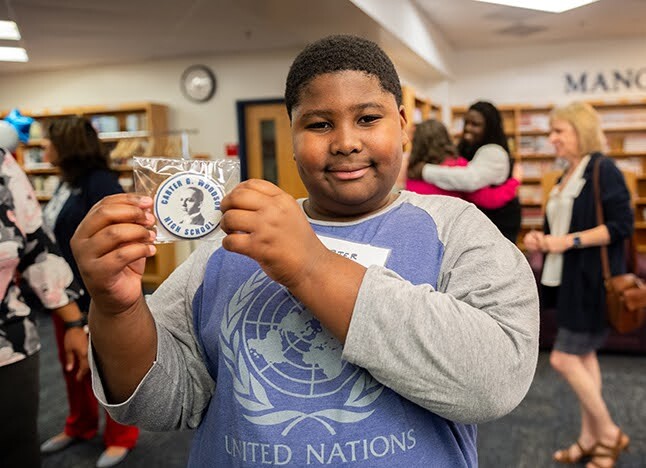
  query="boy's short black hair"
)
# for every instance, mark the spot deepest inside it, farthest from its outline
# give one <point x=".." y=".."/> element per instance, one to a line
<point x="339" y="53"/>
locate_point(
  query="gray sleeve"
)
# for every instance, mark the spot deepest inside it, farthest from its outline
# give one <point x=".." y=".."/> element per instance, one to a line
<point x="177" y="389"/>
<point x="489" y="166"/>
<point x="467" y="351"/>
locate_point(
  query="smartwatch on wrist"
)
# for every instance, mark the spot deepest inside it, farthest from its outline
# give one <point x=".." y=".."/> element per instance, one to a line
<point x="576" y="242"/>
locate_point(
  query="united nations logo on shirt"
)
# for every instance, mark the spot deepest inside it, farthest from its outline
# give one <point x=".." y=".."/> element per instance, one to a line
<point x="187" y="205"/>
<point x="279" y="354"/>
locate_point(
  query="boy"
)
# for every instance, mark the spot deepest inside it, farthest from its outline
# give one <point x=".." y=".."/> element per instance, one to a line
<point x="357" y="327"/>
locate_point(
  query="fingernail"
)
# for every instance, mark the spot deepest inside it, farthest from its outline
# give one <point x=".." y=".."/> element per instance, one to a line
<point x="152" y="235"/>
<point x="149" y="217"/>
<point x="152" y="249"/>
<point x="140" y="199"/>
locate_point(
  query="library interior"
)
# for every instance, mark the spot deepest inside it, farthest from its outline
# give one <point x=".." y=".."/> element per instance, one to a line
<point x="205" y="81"/>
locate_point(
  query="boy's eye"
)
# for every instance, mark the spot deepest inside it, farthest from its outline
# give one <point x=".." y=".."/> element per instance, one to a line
<point x="369" y="118"/>
<point x="318" y="125"/>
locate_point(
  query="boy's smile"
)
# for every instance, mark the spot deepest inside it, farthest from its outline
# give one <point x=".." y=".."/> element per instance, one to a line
<point x="348" y="135"/>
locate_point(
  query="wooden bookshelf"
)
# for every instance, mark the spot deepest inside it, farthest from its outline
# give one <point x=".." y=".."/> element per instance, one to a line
<point x="116" y="125"/>
<point x="418" y="108"/>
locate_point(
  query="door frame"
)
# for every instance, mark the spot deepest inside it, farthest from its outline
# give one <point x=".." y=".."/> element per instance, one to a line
<point x="241" y="106"/>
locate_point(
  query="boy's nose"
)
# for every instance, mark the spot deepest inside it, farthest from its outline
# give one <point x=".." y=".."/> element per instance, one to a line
<point x="345" y="142"/>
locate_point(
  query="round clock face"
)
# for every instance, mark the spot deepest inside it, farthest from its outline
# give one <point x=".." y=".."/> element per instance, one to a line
<point x="198" y="83"/>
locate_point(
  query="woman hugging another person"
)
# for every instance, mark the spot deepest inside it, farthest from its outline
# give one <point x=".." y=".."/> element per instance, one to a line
<point x="484" y="146"/>
<point x="432" y="145"/>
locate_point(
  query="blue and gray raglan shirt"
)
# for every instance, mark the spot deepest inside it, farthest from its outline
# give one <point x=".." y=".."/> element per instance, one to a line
<point x="444" y="334"/>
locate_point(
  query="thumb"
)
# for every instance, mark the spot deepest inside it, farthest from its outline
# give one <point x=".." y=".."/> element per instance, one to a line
<point x="69" y="361"/>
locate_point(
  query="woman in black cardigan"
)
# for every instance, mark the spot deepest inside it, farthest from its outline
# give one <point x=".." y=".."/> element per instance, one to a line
<point x="572" y="275"/>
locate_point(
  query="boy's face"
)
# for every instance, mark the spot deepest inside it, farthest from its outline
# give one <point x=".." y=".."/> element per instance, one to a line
<point x="348" y="135"/>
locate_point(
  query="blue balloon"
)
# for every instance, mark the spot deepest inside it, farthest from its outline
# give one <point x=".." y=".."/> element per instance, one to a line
<point x="21" y="123"/>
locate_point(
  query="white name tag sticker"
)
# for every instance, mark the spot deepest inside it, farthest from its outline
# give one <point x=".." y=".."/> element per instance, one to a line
<point x="363" y="254"/>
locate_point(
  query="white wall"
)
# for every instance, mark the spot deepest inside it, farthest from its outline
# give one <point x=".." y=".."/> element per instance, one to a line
<point x="536" y="75"/>
<point x="531" y="75"/>
<point x="244" y="76"/>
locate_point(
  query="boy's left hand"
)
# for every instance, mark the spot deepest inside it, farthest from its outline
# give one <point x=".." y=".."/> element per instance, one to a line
<point x="266" y="224"/>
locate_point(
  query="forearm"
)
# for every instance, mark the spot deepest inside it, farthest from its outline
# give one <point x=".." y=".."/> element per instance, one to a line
<point x="490" y="166"/>
<point x="330" y="291"/>
<point x="594" y="237"/>
<point x="124" y="347"/>
<point x="69" y="312"/>
<point x="463" y="363"/>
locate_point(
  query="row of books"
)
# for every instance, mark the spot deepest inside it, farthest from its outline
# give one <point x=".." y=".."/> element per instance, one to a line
<point x="528" y="122"/>
<point x="535" y="144"/>
<point x="531" y="216"/>
<point x="530" y="193"/>
<point x="44" y="185"/>
<point x="611" y="119"/>
<point x="133" y="122"/>
<point x="537" y="168"/>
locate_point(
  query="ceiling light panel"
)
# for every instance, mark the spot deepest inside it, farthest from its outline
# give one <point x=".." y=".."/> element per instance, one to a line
<point x="9" y="31"/>
<point x="552" y="6"/>
<point x="13" y="54"/>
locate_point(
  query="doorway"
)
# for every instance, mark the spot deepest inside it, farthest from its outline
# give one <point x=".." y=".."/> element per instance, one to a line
<point x="266" y="145"/>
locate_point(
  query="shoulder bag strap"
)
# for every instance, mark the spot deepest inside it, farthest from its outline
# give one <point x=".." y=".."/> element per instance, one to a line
<point x="605" y="265"/>
<point x="632" y="251"/>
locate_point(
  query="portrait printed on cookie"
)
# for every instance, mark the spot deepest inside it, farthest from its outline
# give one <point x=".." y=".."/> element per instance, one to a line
<point x="187" y="205"/>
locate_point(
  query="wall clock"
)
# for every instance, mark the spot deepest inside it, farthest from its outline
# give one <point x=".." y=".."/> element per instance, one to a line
<point x="198" y="83"/>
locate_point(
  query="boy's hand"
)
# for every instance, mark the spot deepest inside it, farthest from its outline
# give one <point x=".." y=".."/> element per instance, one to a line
<point x="266" y="224"/>
<point x="110" y="247"/>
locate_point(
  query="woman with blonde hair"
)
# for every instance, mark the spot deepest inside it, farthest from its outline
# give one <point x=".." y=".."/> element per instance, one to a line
<point x="572" y="277"/>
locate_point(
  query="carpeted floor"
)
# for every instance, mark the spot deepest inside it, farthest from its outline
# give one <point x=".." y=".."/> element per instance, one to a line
<point x="545" y="420"/>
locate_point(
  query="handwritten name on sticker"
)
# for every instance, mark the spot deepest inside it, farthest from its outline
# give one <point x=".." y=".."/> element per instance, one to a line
<point x="363" y="254"/>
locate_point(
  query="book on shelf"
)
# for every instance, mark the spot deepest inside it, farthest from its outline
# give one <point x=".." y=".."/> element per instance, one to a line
<point x="531" y="217"/>
<point x="34" y="158"/>
<point x="629" y="165"/>
<point x="634" y="143"/>
<point x="457" y="125"/>
<point x="44" y="185"/>
<point x="532" y="122"/>
<point x="537" y="168"/>
<point x="624" y="118"/>
<point x="530" y="194"/>
<point x="535" y="145"/>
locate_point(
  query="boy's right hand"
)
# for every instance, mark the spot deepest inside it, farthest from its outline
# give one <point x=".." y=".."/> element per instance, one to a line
<point x="111" y="246"/>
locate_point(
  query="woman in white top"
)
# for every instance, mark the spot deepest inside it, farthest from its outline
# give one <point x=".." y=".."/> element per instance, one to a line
<point x="484" y="145"/>
<point x="572" y="275"/>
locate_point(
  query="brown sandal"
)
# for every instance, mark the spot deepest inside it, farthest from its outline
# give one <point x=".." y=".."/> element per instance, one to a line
<point x="564" y="455"/>
<point x="601" y="450"/>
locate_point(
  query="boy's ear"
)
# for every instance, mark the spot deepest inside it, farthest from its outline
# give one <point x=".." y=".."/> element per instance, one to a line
<point x="403" y="122"/>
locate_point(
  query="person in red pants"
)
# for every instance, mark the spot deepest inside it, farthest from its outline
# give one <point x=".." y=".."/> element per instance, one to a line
<point x="72" y="145"/>
<point x="82" y="422"/>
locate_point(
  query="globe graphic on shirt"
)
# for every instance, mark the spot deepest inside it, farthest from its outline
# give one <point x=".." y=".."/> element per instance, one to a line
<point x="290" y="349"/>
